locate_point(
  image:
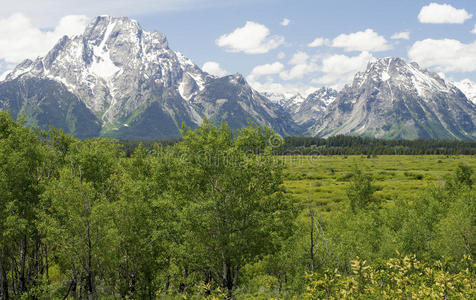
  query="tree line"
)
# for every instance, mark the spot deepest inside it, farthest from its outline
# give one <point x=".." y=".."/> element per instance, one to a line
<point x="208" y="217"/>
<point x="347" y="145"/>
<point x="357" y="145"/>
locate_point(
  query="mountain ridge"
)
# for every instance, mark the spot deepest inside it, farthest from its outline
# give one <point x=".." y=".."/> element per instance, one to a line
<point x="119" y="80"/>
<point x="396" y="99"/>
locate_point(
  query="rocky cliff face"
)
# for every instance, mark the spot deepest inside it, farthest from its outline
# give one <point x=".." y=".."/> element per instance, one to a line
<point x="395" y="99"/>
<point x="314" y="106"/>
<point x="44" y="102"/>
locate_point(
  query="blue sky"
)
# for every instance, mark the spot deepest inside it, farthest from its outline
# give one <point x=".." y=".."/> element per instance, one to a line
<point x="352" y="32"/>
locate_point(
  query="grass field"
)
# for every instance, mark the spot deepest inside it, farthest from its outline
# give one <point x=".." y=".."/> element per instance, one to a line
<point x="322" y="180"/>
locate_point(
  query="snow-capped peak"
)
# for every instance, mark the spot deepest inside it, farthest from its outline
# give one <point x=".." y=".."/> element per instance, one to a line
<point x="109" y="65"/>
<point x="393" y="71"/>
<point x="468" y="88"/>
<point x="326" y="95"/>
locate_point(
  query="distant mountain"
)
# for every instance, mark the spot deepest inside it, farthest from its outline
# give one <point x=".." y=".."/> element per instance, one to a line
<point x="314" y="106"/>
<point x="396" y="99"/>
<point x="468" y="88"/>
<point x="304" y="109"/>
<point x="277" y="98"/>
<point x="133" y="85"/>
<point x="231" y="99"/>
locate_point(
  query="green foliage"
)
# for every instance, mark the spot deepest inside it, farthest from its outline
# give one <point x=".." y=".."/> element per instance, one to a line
<point x="233" y="209"/>
<point x="218" y="214"/>
<point x="360" y="191"/>
<point x="463" y="175"/>
<point x="402" y="277"/>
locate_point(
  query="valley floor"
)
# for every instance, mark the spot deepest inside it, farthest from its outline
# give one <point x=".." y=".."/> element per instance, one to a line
<point x="322" y="180"/>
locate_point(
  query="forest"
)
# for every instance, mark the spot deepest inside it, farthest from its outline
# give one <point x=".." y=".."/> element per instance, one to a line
<point x="215" y="215"/>
<point x="346" y="145"/>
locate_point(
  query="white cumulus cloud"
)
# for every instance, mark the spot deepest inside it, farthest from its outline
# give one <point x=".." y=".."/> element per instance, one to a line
<point x="298" y="71"/>
<point x="299" y="58"/>
<point x="19" y="39"/>
<point x="404" y="35"/>
<point x="285" y="22"/>
<point x="214" y="68"/>
<point x="266" y="69"/>
<point x="367" y="40"/>
<point x="340" y="69"/>
<point x="435" y="13"/>
<point x="474" y="29"/>
<point x="446" y="55"/>
<point x="288" y="89"/>
<point x="252" y="38"/>
<point x="302" y="64"/>
<point x="319" y="42"/>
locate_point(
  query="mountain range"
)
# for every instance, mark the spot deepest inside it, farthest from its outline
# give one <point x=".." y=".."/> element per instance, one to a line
<point x="118" y="80"/>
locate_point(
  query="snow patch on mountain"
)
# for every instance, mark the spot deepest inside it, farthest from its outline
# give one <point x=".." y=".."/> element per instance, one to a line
<point x="468" y="88"/>
<point x="102" y="65"/>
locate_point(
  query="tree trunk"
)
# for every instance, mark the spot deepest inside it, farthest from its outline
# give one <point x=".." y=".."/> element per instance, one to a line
<point x="23" y="265"/>
<point x="228" y="280"/>
<point x="4" y="293"/>
<point x="90" y="278"/>
<point x="311" y="250"/>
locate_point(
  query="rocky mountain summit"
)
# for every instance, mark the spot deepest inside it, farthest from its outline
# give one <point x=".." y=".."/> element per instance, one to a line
<point x="304" y="109"/>
<point x="396" y="99"/>
<point x="314" y="106"/>
<point x="134" y="85"/>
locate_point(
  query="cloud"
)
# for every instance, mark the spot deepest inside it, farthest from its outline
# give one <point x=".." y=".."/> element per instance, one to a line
<point x="404" y="35"/>
<point x="446" y="55"/>
<point x="253" y="38"/>
<point x="281" y="55"/>
<point x="367" y="40"/>
<point x="285" y="22"/>
<point x="288" y="89"/>
<point x="474" y="29"/>
<point x="266" y="69"/>
<point x="435" y="13"/>
<point x="213" y="68"/>
<point x="298" y="71"/>
<point x="19" y="39"/>
<point x="319" y="42"/>
<point x="302" y="65"/>
<point x="340" y="69"/>
<point x="299" y="58"/>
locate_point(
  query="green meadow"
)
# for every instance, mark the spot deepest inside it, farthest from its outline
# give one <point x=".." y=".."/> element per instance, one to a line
<point x="322" y="180"/>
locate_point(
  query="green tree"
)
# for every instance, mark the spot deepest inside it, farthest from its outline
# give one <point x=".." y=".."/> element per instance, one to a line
<point x="455" y="232"/>
<point x="77" y="217"/>
<point x="233" y="209"/>
<point x="22" y="170"/>
<point x="360" y="191"/>
<point x="145" y="220"/>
